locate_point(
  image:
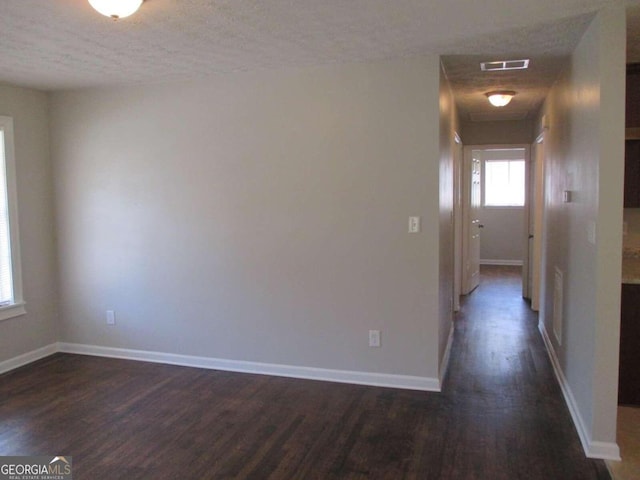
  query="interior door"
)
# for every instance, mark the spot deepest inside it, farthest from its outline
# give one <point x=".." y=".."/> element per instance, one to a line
<point x="538" y="223"/>
<point x="458" y="160"/>
<point x="476" y="226"/>
<point x="471" y="222"/>
<point x="530" y="213"/>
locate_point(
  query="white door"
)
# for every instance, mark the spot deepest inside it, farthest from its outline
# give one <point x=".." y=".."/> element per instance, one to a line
<point x="530" y="212"/>
<point x="538" y="218"/>
<point x="472" y="225"/>
<point x="457" y="222"/>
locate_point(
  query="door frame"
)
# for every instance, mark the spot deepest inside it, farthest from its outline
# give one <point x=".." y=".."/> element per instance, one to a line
<point x="458" y="160"/>
<point x="465" y="195"/>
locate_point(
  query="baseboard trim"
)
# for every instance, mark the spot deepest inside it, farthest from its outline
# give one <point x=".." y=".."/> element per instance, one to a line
<point x="512" y="263"/>
<point x="309" y="373"/>
<point x="593" y="449"/>
<point x="27" y="358"/>
<point x="446" y="357"/>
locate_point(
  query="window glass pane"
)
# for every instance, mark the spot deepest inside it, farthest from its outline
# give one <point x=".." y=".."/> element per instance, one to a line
<point x="504" y="183"/>
<point x="6" y="282"/>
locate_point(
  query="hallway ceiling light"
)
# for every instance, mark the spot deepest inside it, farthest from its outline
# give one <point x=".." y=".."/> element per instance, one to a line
<point x="116" y="8"/>
<point x="500" y="98"/>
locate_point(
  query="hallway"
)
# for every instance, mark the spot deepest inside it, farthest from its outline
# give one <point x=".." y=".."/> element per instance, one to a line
<point x="507" y="401"/>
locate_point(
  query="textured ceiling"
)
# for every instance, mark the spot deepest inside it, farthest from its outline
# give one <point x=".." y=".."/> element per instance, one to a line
<point x="65" y="44"/>
<point x="470" y="84"/>
<point x="550" y="43"/>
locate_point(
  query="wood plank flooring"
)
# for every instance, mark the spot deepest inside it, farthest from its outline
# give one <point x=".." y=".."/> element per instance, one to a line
<point x="501" y="415"/>
<point x="629" y="442"/>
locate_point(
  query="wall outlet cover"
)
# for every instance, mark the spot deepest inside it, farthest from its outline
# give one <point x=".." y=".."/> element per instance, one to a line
<point x="374" y="338"/>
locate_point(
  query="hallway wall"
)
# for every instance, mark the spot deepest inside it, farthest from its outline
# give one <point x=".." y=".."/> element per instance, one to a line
<point x="584" y="154"/>
<point x="448" y="116"/>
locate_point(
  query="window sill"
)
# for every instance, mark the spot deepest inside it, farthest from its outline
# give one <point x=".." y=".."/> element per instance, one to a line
<point x="12" y="311"/>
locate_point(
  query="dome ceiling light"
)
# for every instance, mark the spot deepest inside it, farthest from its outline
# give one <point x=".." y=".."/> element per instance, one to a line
<point x="500" y="98"/>
<point x="116" y="9"/>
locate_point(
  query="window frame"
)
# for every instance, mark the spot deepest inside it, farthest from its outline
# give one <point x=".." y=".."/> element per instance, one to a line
<point x="17" y="307"/>
<point x="484" y="182"/>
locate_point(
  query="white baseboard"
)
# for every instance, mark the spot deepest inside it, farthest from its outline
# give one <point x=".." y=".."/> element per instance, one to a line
<point x="513" y="263"/>
<point x="309" y="373"/>
<point x="26" y="358"/>
<point x="446" y="357"/>
<point x="593" y="449"/>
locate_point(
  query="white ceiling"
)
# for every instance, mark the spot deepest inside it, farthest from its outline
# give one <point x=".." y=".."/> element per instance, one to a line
<point x="65" y="44"/>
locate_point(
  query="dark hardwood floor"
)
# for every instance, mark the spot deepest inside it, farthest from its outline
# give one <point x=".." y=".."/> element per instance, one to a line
<point x="501" y="415"/>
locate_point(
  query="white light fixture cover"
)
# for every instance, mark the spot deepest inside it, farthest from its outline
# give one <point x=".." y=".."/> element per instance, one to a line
<point x="116" y="8"/>
<point x="500" y="98"/>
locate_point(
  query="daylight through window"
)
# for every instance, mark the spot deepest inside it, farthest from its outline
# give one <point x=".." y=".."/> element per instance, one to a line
<point x="504" y="183"/>
<point x="6" y="277"/>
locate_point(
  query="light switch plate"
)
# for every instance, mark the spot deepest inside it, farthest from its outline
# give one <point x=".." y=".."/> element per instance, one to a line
<point x="374" y="338"/>
<point x="414" y="224"/>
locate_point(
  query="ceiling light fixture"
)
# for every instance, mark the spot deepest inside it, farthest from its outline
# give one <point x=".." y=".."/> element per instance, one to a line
<point x="116" y="8"/>
<point x="500" y="98"/>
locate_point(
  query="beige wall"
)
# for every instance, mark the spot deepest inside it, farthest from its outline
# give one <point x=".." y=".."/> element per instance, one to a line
<point x="584" y="154"/>
<point x="37" y="328"/>
<point x="448" y="129"/>
<point x="258" y="216"/>
<point x="492" y="133"/>
<point x="503" y="234"/>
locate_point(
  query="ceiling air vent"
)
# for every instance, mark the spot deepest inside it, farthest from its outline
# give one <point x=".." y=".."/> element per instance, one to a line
<point x="502" y="65"/>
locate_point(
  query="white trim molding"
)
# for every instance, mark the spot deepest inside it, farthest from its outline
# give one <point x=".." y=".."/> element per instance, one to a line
<point x="310" y="373"/>
<point x="27" y="358"/>
<point x="16" y="304"/>
<point x="592" y="448"/>
<point x="514" y="263"/>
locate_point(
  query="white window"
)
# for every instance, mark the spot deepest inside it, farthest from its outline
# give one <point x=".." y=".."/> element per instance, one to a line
<point x="11" y="302"/>
<point x="504" y="183"/>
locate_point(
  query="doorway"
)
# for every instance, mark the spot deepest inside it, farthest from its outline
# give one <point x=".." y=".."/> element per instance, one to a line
<point x="494" y="209"/>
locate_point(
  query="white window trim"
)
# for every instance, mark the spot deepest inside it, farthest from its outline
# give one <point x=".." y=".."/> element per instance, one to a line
<point x="16" y="308"/>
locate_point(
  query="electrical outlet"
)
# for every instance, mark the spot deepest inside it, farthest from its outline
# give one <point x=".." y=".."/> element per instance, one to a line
<point x="374" y="338"/>
<point x="111" y="317"/>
